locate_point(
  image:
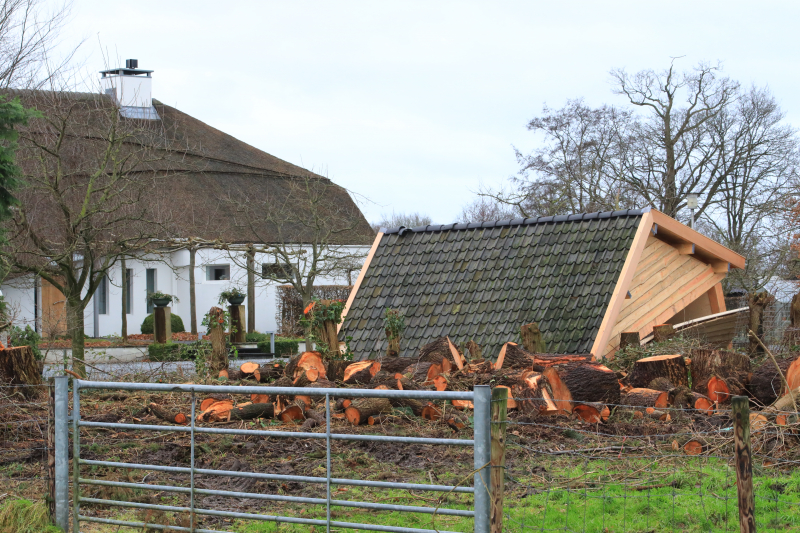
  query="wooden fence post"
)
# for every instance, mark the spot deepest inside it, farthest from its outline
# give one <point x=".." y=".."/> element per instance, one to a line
<point x="498" y="454"/>
<point x="51" y="450"/>
<point x="744" y="466"/>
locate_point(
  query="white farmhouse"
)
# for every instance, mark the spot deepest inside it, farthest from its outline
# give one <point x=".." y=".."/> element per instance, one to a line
<point x="214" y="173"/>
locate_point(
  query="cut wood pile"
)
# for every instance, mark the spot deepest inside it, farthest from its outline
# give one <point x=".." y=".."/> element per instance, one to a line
<point x="539" y="384"/>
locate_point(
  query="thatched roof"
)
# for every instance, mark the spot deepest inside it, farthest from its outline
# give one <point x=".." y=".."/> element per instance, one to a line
<point x="216" y="186"/>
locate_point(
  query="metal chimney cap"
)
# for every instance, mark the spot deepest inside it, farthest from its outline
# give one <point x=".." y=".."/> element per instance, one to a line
<point x="132" y="63"/>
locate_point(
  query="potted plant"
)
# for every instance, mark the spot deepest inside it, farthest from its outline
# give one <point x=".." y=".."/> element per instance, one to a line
<point x="233" y="296"/>
<point x="161" y="299"/>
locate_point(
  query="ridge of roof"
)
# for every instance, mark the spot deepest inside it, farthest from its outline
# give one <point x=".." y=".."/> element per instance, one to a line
<point x="518" y="221"/>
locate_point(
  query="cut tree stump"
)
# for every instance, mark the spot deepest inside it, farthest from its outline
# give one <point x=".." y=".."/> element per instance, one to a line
<point x="360" y="410"/>
<point x="629" y="338"/>
<point x="335" y="369"/>
<point x="393" y="365"/>
<point x="424" y="373"/>
<point x="473" y="349"/>
<point x="536" y="396"/>
<point x="18" y="366"/>
<point x="646" y="398"/>
<point x="253" y="410"/>
<point x="663" y="332"/>
<point x="532" y="338"/>
<point x="433" y="352"/>
<point x="672" y="367"/>
<point x="766" y="384"/>
<point x="593" y="413"/>
<point x="719" y="374"/>
<point x="582" y="382"/>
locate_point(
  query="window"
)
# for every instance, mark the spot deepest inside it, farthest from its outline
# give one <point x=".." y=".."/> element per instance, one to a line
<point x="151" y="287"/>
<point x="275" y="270"/>
<point x="102" y="296"/>
<point x="218" y="272"/>
<point x="129" y="288"/>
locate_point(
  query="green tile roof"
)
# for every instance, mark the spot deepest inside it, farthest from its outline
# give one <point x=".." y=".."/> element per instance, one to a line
<point x="484" y="281"/>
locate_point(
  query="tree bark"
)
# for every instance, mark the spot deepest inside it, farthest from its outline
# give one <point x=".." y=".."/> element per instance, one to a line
<point x="75" y="325"/>
<point x="219" y="350"/>
<point x="672" y="367"/>
<point x="757" y="302"/>
<point x="192" y="294"/>
<point x="719" y="374"/>
<point x="124" y="278"/>
<point x="582" y="382"/>
<point x="766" y="384"/>
<point x="532" y="338"/>
<point x="251" y="290"/>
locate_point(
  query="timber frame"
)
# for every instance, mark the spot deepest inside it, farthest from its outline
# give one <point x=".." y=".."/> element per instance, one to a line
<point x="656" y="293"/>
<point x="360" y="278"/>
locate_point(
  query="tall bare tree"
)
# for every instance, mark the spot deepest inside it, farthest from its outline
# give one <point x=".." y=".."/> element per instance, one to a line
<point x="667" y="153"/>
<point x="88" y="197"/>
<point x="395" y="220"/>
<point x="307" y="227"/>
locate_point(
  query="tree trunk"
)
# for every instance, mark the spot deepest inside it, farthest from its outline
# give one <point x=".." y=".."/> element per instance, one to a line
<point x="766" y="384"/>
<point x="672" y="367"/>
<point x="75" y="325"/>
<point x="19" y="367"/>
<point x="581" y="382"/>
<point x="757" y="302"/>
<point x="719" y="374"/>
<point x="192" y="295"/>
<point x="124" y="278"/>
<point x="251" y="290"/>
<point x="219" y="350"/>
<point x="532" y="338"/>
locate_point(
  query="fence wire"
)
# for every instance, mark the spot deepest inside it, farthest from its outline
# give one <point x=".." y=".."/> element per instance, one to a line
<point x="633" y="474"/>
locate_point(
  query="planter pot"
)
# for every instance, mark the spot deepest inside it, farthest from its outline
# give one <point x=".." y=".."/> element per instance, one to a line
<point x="236" y="300"/>
<point x="161" y="302"/>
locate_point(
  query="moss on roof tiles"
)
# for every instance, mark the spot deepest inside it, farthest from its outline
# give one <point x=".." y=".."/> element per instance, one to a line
<point x="484" y="283"/>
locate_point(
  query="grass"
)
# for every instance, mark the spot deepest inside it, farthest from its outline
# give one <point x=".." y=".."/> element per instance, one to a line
<point x="23" y="516"/>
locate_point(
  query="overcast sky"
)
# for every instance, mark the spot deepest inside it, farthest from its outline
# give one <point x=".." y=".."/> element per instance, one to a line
<point x="413" y="105"/>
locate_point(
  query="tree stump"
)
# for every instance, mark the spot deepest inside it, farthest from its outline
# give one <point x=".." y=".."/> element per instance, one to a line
<point x="672" y="367"/>
<point x="219" y="349"/>
<point x="581" y="382"/>
<point x="532" y="338"/>
<point x="719" y="374"/>
<point x="663" y="332"/>
<point x="646" y="398"/>
<point x="629" y="338"/>
<point x="757" y="302"/>
<point x="19" y="367"/>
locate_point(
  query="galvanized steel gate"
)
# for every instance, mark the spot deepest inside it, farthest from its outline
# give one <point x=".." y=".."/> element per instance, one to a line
<point x="481" y="442"/>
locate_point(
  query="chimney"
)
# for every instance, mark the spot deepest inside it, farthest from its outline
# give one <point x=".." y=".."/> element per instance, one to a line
<point x="131" y="88"/>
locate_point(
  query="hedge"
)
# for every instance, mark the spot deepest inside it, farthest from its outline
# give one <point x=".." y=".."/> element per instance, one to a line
<point x="256" y="337"/>
<point x="177" y="324"/>
<point x="283" y="346"/>
<point x="165" y="352"/>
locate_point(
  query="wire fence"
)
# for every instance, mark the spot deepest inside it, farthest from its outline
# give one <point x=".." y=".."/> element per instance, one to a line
<point x="631" y="472"/>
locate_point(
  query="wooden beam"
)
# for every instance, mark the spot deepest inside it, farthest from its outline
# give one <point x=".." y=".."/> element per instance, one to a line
<point x="721" y="267"/>
<point x="717" y="299"/>
<point x="686" y="248"/>
<point x="623" y="284"/>
<point x="668" y="227"/>
<point x="360" y="279"/>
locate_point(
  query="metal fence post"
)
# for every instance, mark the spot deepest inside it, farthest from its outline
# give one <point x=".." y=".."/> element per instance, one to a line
<point x="76" y="454"/>
<point x="272" y="343"/>
<point x="743" y="462"/>
<point x="483" y="456"/>
<point x="61" y="452"/>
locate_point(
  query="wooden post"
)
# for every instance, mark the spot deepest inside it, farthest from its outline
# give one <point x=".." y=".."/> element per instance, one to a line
<point x="219" y="350"/>
<point x="663" y="332"/>
<point x="162" y="324"/>
<point x="629" y="338"/>
<point x="251" y="290"/>
<point x="498" y="473"/>
<point x="744" y="466"/>
<point x="474" y="350"/>
<point x="238" y="327"/>
<point x="532" y="338"/>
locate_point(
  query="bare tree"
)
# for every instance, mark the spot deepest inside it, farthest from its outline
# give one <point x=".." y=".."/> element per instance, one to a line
<point x="485" y="209"/>
<point x="668" y="153"/>
<point x="29" y="33"/>
<point x="308" y="227"/>
<point x="88" y="197"/>
<point x="395" y="220"/>
<point x="759" y="154"/>
<point x="576" y="169"/>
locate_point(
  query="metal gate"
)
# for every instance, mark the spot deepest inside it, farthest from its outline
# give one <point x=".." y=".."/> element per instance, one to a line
<point x="481" y="442"/>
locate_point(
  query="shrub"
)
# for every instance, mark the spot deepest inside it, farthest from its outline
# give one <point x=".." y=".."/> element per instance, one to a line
<point x="283" y="346"/>
<point x="26" y="337"/>
<point x="164" y="352"/>
<point x="177" y="324"/>
<point x="256" y="337"/>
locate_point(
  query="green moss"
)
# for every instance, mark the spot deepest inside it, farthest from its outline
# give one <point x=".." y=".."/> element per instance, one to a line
<point x="177" y="324"/>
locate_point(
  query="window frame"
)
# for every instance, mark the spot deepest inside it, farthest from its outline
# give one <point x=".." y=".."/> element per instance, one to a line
<point x="210" y="272"/>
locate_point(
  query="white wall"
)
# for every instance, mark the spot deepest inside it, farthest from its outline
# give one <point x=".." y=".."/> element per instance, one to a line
<point x="172" y="277"/>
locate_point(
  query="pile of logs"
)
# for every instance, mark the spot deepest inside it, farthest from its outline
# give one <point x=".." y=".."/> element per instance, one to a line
<point x="538" y="384"/>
